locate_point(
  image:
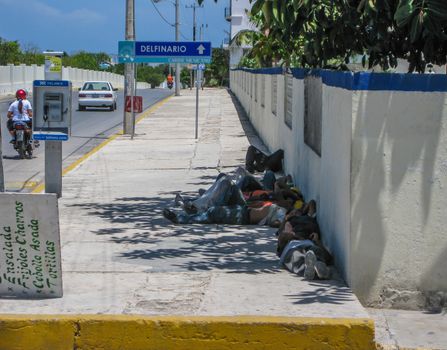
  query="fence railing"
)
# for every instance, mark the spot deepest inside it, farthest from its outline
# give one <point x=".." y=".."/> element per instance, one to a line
<point x="22" y="76"/>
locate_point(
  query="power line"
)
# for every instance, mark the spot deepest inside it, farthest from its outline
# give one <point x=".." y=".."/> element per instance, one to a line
<point x="164" y="19"/>
<point x="184" y="37"/>
<point x="160" y="14"/>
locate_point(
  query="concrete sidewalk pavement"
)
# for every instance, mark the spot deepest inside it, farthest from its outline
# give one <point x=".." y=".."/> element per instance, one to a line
<point x="121" y="257"/>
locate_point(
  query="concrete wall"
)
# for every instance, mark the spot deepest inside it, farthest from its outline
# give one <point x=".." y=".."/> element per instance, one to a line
<point x="22" y="77"/>
<point x="380" y="180"/>
<point x="398" y="196"/>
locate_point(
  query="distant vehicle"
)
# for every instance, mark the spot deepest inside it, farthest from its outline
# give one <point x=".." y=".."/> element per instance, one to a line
<point x="97" y="94"/>
<point x="105" y="65"/>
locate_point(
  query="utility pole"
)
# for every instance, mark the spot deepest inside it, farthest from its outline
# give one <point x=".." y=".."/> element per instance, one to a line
<point x="129" y="68"/>
<point x="194" y="27"/>
<point x="177" y="38"/>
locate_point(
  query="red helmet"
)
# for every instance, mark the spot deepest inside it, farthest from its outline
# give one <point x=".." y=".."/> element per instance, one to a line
<point x="21" y="94"/>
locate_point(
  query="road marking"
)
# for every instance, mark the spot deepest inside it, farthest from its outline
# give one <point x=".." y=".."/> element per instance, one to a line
<point x="21" y="185"/>
<point x="73" y="165"/>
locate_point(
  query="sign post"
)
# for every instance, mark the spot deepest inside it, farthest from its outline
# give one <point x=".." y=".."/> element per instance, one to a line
<point x="52" y="118"/>
<point x="197" y="52"/>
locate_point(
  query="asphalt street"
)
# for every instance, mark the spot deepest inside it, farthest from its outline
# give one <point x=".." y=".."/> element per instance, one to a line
<point x="89" y="128"/>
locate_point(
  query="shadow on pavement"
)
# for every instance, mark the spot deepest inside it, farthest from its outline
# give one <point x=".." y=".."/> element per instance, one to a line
<point x="138" y="221"/>
<point x="324" y="292"/>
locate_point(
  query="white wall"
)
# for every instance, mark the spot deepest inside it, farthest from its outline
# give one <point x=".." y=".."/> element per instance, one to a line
<point x="22" y="77"/>
<point x="239" y="18"/>
<point x="380" y="183"/>
<point x="398" y="213"/>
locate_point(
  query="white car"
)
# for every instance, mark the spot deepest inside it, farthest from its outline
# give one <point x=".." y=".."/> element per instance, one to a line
<point x="97" y="94"/>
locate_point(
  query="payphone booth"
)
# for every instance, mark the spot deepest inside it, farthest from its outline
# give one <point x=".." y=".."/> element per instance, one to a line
<point x="52" y="110"/>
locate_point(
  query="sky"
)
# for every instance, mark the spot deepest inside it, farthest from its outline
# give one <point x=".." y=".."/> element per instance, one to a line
<point x="98" y="25"/>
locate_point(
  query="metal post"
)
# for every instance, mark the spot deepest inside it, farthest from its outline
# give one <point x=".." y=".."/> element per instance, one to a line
<point x="134" y="92"/>
<point x="177" y="38"/>
<point x="53" y="149"/>
<point x="129" y="72"/>
<point x="2" y="175"/>
<point x="194" y="6"/>
<point x="197" y="104"/>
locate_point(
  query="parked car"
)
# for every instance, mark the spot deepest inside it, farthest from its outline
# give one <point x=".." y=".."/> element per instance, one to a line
<point x="97" y="94"/>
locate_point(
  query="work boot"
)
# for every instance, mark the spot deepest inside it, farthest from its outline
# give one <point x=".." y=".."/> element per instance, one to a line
<point x="309" y="262"/>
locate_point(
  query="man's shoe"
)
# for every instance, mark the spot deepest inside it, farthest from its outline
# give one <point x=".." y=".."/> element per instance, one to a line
<point x="170" y="215"/>
<point x="322" y="270"/>
<point x="178" y="200"/>
<point x="309" y="261"/>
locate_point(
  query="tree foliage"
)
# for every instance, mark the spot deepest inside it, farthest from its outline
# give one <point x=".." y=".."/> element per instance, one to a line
<point x="9" y="52"/>
<point x="217" y="73"/>
<point x="314" y="33"/>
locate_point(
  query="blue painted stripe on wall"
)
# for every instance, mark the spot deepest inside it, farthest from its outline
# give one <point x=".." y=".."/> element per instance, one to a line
<point x="368" y="81"/>
<point x="272" y="70"/>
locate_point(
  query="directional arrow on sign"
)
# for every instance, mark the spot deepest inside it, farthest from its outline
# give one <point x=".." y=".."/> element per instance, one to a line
<point x="201" y="48"/>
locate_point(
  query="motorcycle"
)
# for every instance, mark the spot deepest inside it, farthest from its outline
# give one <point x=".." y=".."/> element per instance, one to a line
<point x="23" y="143"/>
<point x="170" y="84"/>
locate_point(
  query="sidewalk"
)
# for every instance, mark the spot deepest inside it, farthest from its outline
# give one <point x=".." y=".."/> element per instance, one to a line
<point x="121" y="257"/>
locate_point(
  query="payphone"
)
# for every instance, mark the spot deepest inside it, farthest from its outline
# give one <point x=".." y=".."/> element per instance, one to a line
<point x="52" y="109"/>
<point x="53" y="106"/>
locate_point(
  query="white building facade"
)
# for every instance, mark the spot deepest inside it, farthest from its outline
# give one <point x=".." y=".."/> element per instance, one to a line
<point x="236" y="14"/>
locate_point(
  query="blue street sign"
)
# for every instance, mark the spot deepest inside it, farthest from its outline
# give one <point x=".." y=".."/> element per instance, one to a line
<point x="198" y="67"/>
<point x="51" y="83"/>
<point x="50" y="136"/>
<point x="164" y="52"/>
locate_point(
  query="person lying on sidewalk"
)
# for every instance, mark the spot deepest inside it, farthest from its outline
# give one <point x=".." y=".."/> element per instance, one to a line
<point x="256" y="160"/>
<point x="299" y="245"/>
<point x="269" y="214"/>
<point x="241" y="189"/>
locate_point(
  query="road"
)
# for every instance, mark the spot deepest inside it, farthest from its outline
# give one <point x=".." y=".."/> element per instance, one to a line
<point x="89" y="129"/>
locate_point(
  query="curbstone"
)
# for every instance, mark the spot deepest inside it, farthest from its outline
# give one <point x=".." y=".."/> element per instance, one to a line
<point x="35" y="332"/>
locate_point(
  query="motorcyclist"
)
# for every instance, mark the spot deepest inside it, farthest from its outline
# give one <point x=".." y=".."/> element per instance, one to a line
<point x="19" y="111"/>
<point x="170" y="80"/>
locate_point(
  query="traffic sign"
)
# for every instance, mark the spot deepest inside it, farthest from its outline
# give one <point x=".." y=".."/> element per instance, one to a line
<point x="50" y="136"/>
<point x="164" y="51"/>
<point x="137" y="104"/>
<point x="198" y="67"/>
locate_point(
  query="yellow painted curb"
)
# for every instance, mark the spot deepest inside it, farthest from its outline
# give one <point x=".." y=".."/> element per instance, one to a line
<point x="73" y="165"/>
<point x="92" y="332"/>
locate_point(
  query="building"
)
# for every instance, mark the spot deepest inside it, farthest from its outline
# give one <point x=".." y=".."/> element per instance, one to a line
<point x="236" y="14"/>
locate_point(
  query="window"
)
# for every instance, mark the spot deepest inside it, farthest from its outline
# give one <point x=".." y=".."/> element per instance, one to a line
<point x="288" y="97"/>
<point x="95" y="86"/>
<point x="255" y="77"/>
<point x="312" y="113"/>
<point x="250" y="85"/>
<point x="262" y="77"/>
<point x="274" y="93"/>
